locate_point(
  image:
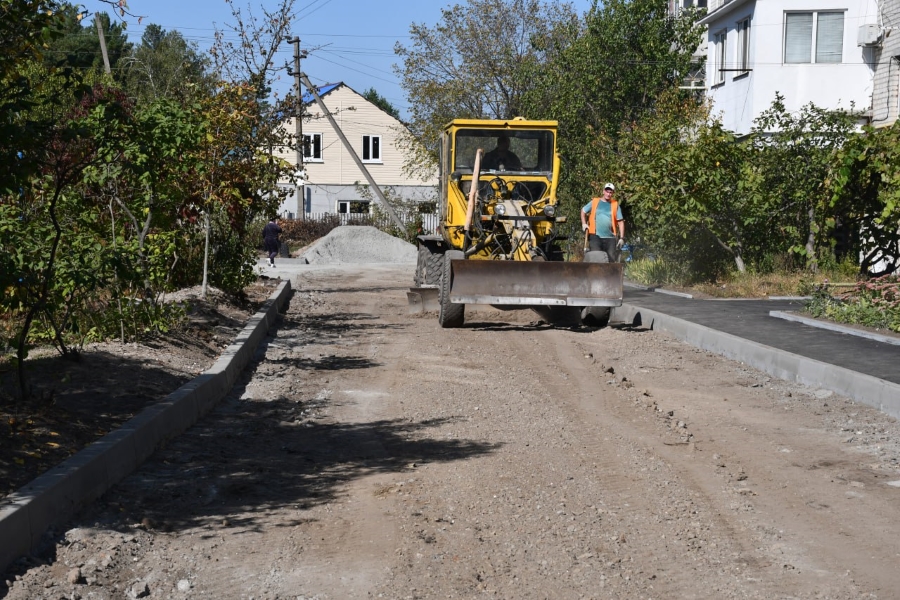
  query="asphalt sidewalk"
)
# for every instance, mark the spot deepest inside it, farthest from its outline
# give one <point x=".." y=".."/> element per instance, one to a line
<point x="866" y="370"/>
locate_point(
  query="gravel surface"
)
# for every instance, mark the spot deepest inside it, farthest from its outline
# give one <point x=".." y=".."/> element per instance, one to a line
<point x="368" y="453"/>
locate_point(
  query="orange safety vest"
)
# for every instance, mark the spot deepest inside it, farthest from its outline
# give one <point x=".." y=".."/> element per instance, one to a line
<point x="613" y="211"/>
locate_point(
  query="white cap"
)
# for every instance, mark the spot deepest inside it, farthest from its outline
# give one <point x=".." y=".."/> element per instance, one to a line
<point x="609" y="186"/>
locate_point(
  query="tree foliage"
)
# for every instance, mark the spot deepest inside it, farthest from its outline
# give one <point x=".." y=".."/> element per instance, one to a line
<point x="107" y="202"/>
<point x="478" y="62"/>
<point x="606" y="78"/>
<point x="683" y="177"/>
<point x="78" y="44"/>
<point x="790" y="165"/>
<point x="165" y="65"/>
<point x="863" y="199"/>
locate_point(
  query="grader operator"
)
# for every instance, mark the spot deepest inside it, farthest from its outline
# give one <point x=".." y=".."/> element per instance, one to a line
<point x="498" y="240"/>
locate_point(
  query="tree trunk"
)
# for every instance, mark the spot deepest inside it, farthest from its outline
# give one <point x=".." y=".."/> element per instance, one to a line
<point x="812" y="262"/>
<point x="205" y="255"/>
<point x="22" y="348"/>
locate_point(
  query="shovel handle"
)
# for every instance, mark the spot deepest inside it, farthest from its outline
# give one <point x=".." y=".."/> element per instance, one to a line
<point x="586" y="245"/>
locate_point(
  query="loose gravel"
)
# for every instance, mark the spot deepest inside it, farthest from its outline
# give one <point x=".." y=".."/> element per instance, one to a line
<point x="359" y="245"/>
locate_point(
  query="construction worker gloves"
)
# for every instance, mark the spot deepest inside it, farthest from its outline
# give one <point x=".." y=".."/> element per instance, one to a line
<point x="619" y="243"/>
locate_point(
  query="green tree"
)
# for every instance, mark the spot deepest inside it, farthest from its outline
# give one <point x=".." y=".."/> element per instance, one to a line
<point x="165" y="65"/>
<point x="236" y="181"/>
<point x="26" y="27"/>
<point x="789" y="165"/>
<point x="684" y="178"/>
<point x="35" y="224"/>
<point x="478" y="62"/>
<point x="863" y="192"/>
<point x="78" y="46"/>
<point x="608" y="77"/>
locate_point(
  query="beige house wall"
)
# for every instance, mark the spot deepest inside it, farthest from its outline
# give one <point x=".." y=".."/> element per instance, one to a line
<point x="356" y="117"/>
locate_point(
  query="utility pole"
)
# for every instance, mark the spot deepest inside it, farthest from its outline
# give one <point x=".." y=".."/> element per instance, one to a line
<point x="298" y="125"/>
<point x="102" y="44"/>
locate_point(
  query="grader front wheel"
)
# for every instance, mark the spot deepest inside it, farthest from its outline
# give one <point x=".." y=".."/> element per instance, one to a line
<point x="451" y="315"/>
<point x="428" y="267"/>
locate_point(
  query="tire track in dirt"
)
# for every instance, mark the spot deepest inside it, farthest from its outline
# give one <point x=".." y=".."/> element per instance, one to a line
<point x="735" y="463"/>
<point x="355" y="403"/>
<point x="665" y="525"/>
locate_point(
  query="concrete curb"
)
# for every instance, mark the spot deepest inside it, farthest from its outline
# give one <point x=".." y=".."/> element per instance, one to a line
<point x="59" y="493"/>
<point x="878" y="393"/>
<point x="789" y="316"/>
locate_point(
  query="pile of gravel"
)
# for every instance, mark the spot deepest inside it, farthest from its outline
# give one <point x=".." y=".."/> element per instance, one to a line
<point x="356" y="245"/>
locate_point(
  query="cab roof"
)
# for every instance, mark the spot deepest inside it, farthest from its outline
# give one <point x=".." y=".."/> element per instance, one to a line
<point x="515" y="123"/>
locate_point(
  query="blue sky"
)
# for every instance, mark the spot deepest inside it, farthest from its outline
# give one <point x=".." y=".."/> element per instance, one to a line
<point x="348" y="40"/>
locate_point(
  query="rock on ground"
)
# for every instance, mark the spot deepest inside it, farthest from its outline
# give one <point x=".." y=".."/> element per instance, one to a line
<point x="359" y="245"/>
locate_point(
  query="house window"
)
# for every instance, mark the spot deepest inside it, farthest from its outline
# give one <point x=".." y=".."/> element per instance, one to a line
<point x="353" y="207"/>
<point x="719" y="40"/>
<point x="312" y="147"/>
<point x="743" y="58"/>
<point x="813" y="37"/>
<point x="371" y="148"/>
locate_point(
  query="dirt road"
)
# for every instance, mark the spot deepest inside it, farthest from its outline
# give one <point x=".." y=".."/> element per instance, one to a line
<point x="370" y="454"/>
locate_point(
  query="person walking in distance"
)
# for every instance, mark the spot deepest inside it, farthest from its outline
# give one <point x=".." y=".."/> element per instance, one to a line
<point x="602" y="219"/>
<point x="270" y="237"/>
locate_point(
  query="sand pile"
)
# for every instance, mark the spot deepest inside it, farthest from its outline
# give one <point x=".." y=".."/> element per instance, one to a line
<point x="356" y="245"/>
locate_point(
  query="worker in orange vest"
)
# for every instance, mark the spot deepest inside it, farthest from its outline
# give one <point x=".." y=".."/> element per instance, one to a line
<point x="602" y="219"/>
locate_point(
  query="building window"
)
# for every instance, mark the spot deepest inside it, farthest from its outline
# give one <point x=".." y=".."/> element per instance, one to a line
<point x="312" y="147"/>
<point x="371" y="148"/>
<point x="353" y="207"/>
<point x="719" y="40"/>
<point x="813" y="37"/>
<point x="743" y="58"/>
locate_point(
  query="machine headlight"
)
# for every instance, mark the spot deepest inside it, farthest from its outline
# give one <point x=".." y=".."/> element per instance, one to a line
<point x="500" y="210"/>
<point x="549" y="210"/>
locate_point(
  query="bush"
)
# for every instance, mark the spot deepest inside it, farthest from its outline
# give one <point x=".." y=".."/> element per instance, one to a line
<point x="303" y="232"/>
<point x="874" y="303"/>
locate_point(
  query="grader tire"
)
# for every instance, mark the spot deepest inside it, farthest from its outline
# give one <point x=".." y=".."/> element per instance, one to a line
<point x="428" y="267"/>
<point x="595" y="316"/>
<point x="450" y="315"/>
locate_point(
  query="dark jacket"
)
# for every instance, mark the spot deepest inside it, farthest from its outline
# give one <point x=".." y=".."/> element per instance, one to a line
<point x="271" y="231"/>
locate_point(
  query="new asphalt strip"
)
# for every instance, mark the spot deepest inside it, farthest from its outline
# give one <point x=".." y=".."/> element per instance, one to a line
<point x="763" y="334"/>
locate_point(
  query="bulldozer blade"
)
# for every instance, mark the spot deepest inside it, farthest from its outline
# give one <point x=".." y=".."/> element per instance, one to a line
<point x="536" y="283"/>
<point x="423" y="300"/>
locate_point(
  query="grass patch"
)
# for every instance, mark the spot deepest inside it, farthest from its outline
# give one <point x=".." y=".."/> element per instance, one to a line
<point x="734" y="284"/>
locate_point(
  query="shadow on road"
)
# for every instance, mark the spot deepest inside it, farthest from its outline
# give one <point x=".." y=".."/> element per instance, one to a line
<point x="250" y="457"/>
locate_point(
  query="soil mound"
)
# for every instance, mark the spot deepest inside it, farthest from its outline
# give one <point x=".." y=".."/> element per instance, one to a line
<point x="358" y="245"/>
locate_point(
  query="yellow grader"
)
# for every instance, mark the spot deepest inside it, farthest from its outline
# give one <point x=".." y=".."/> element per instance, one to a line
<point x="498" y="241"/>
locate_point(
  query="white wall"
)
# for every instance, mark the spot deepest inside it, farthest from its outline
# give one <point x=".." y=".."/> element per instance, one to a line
<point x="741" y="98"/>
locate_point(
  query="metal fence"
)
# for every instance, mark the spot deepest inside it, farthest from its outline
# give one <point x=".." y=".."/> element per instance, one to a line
<point x="429" y="221"/>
